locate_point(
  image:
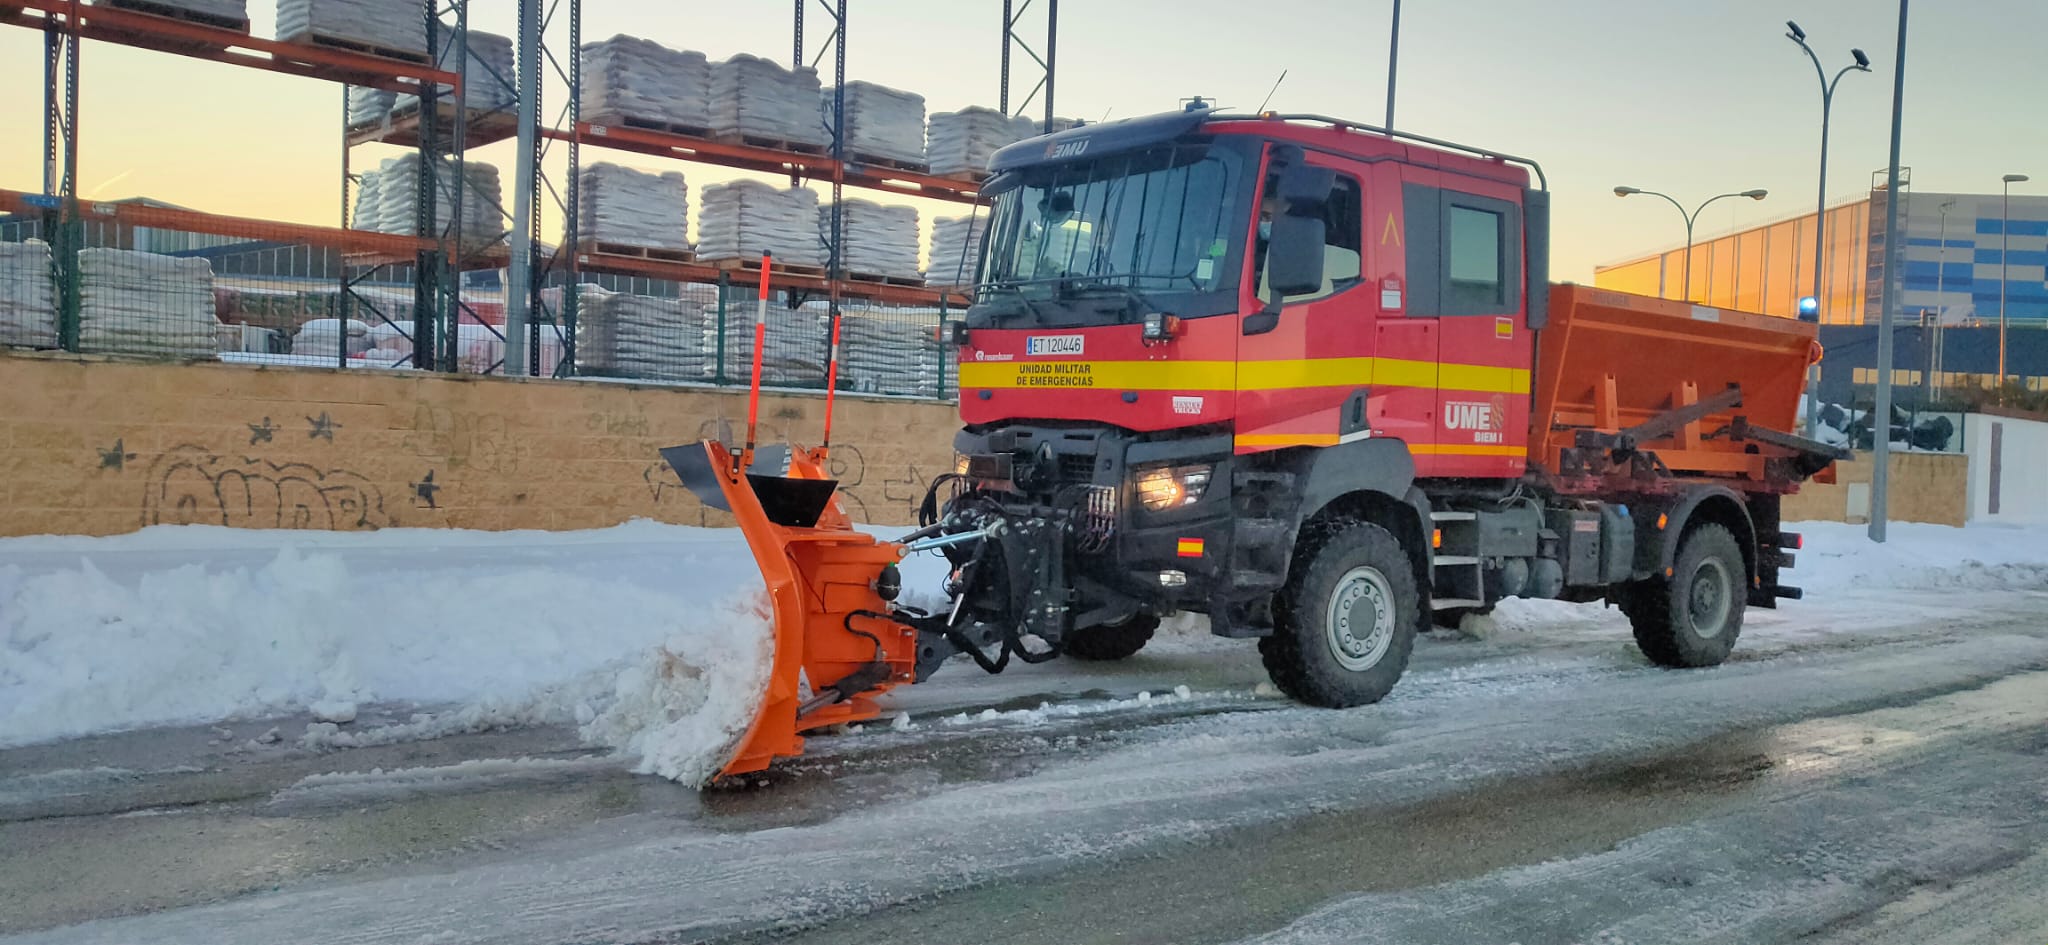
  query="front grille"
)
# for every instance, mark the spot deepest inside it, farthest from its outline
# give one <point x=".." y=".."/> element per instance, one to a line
<point x="1077" y="467"/>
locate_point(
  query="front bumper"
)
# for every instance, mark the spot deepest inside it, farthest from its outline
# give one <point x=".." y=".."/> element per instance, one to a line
<point x="1151" y="561"/>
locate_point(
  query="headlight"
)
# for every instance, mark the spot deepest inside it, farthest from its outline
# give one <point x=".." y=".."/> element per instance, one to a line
<point x="960" y="464"/>
<point x="1171" y="487"/>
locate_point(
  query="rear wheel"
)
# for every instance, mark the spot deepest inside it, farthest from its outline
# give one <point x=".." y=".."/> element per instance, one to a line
<point x="1692" y="617"/>
<point x="1346" y="620"/>
<point x="1112" y="641"/>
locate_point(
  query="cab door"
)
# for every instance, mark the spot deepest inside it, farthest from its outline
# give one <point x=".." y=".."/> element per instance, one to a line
<point x="1465" y="256"/>
<point x="1303" y="382"/>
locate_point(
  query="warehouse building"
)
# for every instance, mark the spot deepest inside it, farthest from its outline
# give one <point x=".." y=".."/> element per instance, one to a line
<point x="1967" y="258"/>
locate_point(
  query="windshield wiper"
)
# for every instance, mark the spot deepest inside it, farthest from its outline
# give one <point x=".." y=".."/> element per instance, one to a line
<point x="1037" y="314"/>
<point x="1138" y="302"/>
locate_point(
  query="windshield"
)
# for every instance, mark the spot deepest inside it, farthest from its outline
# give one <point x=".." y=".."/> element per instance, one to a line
<point x="1155" y="229"/>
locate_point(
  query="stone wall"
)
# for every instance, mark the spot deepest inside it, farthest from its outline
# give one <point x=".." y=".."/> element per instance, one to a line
<point x="101" y="447"/>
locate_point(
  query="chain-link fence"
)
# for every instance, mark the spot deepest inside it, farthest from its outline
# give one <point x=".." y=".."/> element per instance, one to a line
<point x="118" y="282"/>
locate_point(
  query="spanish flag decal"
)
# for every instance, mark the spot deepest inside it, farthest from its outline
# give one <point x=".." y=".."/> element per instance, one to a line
<point x="1190" y="547"/>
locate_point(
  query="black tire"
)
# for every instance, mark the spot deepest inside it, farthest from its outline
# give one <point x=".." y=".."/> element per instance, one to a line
<point x="1361" y="562"/>
<point x="1692" y="618"/>
<point x="1111" y="641"/>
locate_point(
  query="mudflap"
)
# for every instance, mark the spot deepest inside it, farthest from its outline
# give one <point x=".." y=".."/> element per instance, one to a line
<point x="833" y="630"/>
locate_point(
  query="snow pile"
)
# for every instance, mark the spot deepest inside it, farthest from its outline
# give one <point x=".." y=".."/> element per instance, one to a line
<point x="881" y="122"/>
<point x="962" y="142"/>
<point x="487" y="84"/>
<point x="627" y="77"/>
<point x="396" y="25"/>
<point x="622" y="205"/>
<point x="643" y="336"/>
<point x="878" y="240"/>
<point x="186" y="624"/>
<point x="28" y="303"/>
<point x="1840" y="560"/>
<point x="683" y="709"/>
<point x="146" y="304"/>
<point x="756" y="98"/>
<point x="956" y="249"/>
<point x="742" y="219"/>
<point x="891" y="351"/>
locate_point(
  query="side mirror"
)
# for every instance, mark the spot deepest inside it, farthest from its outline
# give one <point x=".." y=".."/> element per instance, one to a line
<point x="1294" y="256"/>
<point x="1303" y="186"/>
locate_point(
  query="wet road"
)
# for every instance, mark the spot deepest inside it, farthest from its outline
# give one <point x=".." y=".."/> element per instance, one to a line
<point x="1884" y="785"/>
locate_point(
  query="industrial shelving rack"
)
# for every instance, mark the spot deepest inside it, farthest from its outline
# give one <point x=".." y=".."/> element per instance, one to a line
<point x="438" y="258"/>
<point x="65" y="23"/>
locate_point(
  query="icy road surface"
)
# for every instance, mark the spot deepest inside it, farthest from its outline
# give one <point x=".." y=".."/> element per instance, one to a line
<point x="1871" y="767"/>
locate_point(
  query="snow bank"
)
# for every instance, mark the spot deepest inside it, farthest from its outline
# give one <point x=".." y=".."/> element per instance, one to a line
<point x="175" y="625"/>
<point x="1842" y="559"/>
<point x="683" y="710"/>
<point x="651" y="637"/>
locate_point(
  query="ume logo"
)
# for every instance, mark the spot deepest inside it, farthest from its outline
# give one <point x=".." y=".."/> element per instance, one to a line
<point x="1054" y="152"/>
<point x="1470" y="415"/>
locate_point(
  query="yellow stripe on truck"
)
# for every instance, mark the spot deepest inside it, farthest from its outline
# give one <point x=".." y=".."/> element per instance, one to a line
<point x="1244" y="376"/>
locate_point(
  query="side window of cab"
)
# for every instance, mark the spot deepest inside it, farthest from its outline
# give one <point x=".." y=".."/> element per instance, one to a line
<point x="1343" y="228"/>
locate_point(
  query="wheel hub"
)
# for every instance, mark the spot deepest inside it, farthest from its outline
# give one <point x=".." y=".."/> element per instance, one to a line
<point x="1360" y="619"/>
<point x="1710" y="599"/>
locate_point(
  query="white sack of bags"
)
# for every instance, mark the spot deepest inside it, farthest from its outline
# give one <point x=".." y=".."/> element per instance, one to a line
<point x="881" y="122"/>
<point x="388" y="201"/>
<point x="628" y="77"/>
<point x="634" y="208"/>
<point x="398" y="25"/>
<point x="146" y="304"/>
<point x="877" y="240"/>
<point x="956" y="249"/>
<point x="487" y="84"/>
<point x="961" y="142"/>
<point x="28" y="298"/>
<point x="757" y="98"/>
<point x="743" y="219"/>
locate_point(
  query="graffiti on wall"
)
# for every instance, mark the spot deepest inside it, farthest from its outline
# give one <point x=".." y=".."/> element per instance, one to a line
<point x="192" y="485"/>
<point x="483" y="442"/>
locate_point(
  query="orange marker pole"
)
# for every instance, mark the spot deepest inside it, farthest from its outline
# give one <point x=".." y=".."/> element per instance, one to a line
<point x="760" y="340"/>
<point x="831" y="386"/>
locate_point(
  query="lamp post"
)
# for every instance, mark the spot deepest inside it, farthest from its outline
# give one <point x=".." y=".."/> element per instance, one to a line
<point x="1827" y="102"/>
<point x="1757" y="194"/>
<point x="1820" y="213"/>
<point x="1940" y="289"/>
<point x="2004" y="224"/>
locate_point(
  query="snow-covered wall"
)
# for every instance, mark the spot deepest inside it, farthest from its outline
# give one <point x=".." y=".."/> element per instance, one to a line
<point x="102" y="448"/>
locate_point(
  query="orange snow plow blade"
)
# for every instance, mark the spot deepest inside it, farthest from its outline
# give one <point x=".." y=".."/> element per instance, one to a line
<point x="832" y="634"/>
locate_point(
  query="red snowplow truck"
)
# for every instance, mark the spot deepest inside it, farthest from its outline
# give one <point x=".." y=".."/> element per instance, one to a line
<point x="1308" y="378"/>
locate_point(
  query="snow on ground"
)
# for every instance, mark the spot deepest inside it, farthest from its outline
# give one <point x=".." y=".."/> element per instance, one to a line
<point x="625" y="630"/>
<point x="649" y="636"/>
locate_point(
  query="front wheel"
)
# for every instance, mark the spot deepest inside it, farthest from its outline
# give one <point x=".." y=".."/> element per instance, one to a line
<point x="1692" y="618"/>
<point x="1346" y="620"/>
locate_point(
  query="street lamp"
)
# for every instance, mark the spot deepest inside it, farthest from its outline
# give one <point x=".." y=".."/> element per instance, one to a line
<point x="1827" y="101"/>
<point x="2004" y="224"/>
<point x="1820" y="213"/>
<point x="1757" y="194"/>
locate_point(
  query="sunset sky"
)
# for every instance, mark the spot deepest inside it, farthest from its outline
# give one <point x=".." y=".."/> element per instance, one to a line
<point x="1692" y="98"/>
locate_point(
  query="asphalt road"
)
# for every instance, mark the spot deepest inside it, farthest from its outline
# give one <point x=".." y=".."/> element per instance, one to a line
<point x="1878" y="782"/>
